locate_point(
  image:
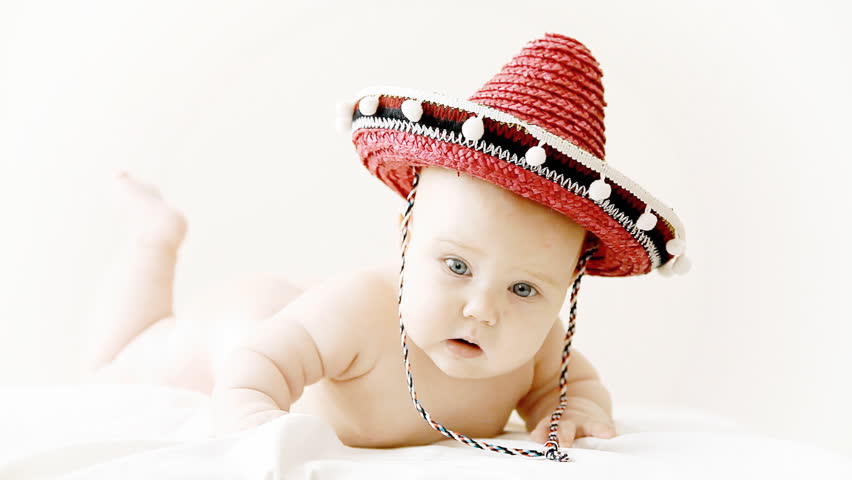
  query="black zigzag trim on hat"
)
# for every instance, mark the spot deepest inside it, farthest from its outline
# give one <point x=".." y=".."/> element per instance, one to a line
<point x="557" y="162"/>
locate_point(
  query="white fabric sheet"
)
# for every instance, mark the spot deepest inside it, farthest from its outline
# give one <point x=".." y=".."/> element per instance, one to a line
<point x="153" y="432"/>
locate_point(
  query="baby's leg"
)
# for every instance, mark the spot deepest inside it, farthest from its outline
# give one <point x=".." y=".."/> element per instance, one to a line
<point x="137" y="290"/>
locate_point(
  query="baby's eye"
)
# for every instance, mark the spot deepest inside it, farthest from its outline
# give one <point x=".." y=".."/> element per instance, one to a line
<point x="455" y="265"/>
<point x="524" y="292"/>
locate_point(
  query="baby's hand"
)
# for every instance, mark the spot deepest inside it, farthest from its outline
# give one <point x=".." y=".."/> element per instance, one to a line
<point x="236" y="408"/>
<point x="581" y="418"/>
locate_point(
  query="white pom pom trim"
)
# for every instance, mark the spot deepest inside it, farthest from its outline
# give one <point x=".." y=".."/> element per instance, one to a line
<point x="676" y="246"/>
<point x="412" y="109"/>
<point x="666" y="270"/>
<point x="647" y="220"/>
<point x="369" y="105"/>
<point x="473" y="128"/>
<point x="536" y="156"/>
<point x="682" y="265"/>
<point x="599" y="190"/>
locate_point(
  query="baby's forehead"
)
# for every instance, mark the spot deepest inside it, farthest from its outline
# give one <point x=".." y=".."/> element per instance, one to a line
<point x="502" y="233"/>
<point x="490" y="220"/>
<point x="468" y="198"/>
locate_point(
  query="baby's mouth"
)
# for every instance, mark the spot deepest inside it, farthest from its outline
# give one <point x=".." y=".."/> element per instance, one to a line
<point x="464" y="348"/>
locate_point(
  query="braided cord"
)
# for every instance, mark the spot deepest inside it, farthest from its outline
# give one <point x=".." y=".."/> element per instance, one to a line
<point x="550" y="449"/>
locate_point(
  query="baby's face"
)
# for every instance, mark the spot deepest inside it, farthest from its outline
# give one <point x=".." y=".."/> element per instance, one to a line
<point x="487" y="264"/>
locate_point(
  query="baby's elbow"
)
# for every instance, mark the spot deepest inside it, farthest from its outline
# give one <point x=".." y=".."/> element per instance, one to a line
<point x="246" y="368"/>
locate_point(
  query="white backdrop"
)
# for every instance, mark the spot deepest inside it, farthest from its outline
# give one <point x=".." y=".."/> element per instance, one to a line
<point x="734" y="114"/>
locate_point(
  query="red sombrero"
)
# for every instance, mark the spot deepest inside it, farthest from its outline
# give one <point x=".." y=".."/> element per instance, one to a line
<point x="536" y="129"/>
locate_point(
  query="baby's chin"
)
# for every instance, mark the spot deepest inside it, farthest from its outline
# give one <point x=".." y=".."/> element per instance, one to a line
<point x="453" y="366"/>
<point x="466" y="372"/>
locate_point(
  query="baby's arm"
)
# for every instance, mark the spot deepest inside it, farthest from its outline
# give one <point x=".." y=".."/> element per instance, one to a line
<point x="259" y="382"/>
<point x="319" y="335"/>
<point x="588" y="410"/>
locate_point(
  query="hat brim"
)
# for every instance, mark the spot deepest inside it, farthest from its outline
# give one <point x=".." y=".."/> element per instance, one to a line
<point x="389" y="155"/>
<point x="389" y="144"/>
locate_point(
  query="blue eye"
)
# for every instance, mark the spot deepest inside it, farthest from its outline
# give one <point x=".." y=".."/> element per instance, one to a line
<point x="454" y="264"/>
<point x="525" y="292"/>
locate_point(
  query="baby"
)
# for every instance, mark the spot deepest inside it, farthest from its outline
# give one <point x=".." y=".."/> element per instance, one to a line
<point x="513" y="204"/>
<point x="486" y="274"/>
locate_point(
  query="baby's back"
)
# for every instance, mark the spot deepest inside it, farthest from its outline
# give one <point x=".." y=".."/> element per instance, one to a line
<point x="370" y="406"/>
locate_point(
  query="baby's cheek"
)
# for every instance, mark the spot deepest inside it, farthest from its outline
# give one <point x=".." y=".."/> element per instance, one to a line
<point x="427" y="307"/>
<point x="419" y="325"/>
<point x="523" y="343"/>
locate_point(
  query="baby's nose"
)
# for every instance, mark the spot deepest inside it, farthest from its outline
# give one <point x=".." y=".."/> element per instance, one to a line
<point x="482" y="310"/>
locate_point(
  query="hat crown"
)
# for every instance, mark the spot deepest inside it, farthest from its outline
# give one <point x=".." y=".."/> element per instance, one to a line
<point x="554" y="83"/>
<point x="515" y="132"/>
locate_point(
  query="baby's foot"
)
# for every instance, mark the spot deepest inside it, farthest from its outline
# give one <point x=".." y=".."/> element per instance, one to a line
<point x="151" y="220"/>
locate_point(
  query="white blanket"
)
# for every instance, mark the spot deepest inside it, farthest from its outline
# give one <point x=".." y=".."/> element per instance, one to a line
<point x="153" y="432"/>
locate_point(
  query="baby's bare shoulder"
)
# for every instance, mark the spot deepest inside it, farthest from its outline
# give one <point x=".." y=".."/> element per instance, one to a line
<point x="362" y="292"/>
<point x="343" y="313"/>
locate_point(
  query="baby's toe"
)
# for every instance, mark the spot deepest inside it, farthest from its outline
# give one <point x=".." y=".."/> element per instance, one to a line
<point x="151" y="220"/>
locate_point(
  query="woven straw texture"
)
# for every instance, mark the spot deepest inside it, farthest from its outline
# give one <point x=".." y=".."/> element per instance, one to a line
<point x="553" y="83"/>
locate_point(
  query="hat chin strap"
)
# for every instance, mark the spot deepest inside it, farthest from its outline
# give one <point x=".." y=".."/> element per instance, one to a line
<point x="550" y="449"/>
